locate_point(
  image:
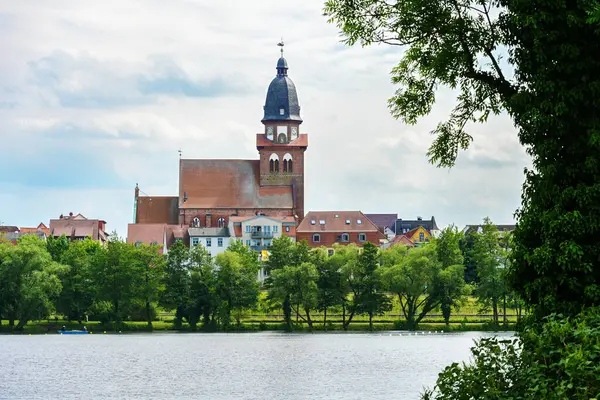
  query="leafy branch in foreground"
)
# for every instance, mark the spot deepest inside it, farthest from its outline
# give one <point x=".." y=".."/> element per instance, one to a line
<point x="452" y="44"/>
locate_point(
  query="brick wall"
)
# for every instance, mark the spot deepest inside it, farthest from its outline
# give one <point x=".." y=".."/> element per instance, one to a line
<point x="186" y="216"/>
<point x="329" y="238"/>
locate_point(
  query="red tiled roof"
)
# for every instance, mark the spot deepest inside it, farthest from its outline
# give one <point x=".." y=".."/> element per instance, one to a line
<point x="401" y="239"/>
<point x="157" y="210"/>
<point x="236" y="218"/>
<point x="146" y="233"/>
<point x="335" y="221"/>
<point x="262" y="141"/>
<point x="228" y="184"/>
<point x="76" y="227"/>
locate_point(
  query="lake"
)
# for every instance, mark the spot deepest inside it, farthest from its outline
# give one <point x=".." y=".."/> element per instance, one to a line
<point x="265" y="365"/>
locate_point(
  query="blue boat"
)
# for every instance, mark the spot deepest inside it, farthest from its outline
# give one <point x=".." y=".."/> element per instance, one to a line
<point x="73" y="332"/>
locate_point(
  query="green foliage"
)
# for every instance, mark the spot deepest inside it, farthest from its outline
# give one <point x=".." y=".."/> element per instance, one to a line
<point x="559" y="360"/>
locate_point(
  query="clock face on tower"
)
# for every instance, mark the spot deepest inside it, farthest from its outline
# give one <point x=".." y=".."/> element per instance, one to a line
<point x="294" y="133"/>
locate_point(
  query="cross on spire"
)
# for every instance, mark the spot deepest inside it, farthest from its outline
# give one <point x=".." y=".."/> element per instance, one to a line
<point x="281" y="44"/>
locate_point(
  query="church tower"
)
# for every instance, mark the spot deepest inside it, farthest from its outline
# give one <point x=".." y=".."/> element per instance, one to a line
<point x="281" y="146"/>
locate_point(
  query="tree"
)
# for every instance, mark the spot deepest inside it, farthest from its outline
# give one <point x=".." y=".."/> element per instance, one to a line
<point x="410" y="273"/>
<point x="371" y="298"/>
<point x="77" y="294"/>
<point x="152" y="263"/>
<point x="176" y="281"/>
<point x="236" y="284"/>
<point x="29" y="280"/>
<point x="329" y="283"/>
<point x="552" y="97"/>
<point x="449" y="285"/>
<point x="299" y="285"/>
<point x="203" y="301"/>
<point x="488" y="259"/>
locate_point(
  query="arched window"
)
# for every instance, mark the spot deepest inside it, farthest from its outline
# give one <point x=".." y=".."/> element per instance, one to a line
<point x="196" y="222"/>
<point x="316" y="238"/>
<point x="287" y="162"/>
<point x="221" y="222"/>
<point x="274" y="163"/>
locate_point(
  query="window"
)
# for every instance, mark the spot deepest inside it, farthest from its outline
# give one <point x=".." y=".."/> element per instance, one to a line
<point x="248" y="228"/>
<point x="322" y="221"/>
<point x="285" y="168"/>
<point x="267" y="228"/>
<point x="359" y="221"/>
<point x="221" y="222"/>
<point x="316" y="238"/>
<point x="312" y="222"/>
<point x="220" y="242"/>
<point x="330" y="252"/>
<point x="208" y="242"/>
<point x="345" y="237"/>
<point x="347" y="222"/>
<point x="247" y="243"/>
<point x="362" y="237"/>
<point x="290" y="169"/>
<point x="421" y="237"/>
<point x="275" y="228"/>
<point x="196" y="222"/>
<point x="195" y="241"/>
<point x="287" y="228"/>
<point x="276" y="166"/>
<point x="138" y="244"/>
<point x="281" y="111"/>
<point x="274" y="163"/>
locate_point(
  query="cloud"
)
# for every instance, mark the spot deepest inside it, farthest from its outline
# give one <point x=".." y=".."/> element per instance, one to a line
<point x="92" y="104"/>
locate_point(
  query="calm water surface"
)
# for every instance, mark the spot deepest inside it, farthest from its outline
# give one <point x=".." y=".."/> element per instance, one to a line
<point x="250" y="366"/>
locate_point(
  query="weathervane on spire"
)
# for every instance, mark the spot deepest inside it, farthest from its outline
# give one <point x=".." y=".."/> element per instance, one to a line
<point x="280" y="44"/>
<point x="179" y="151"/>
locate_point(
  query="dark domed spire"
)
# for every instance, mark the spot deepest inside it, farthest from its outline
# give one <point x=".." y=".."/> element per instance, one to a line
<point x="282" y="100"/>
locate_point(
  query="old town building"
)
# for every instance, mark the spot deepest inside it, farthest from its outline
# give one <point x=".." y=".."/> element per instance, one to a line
<point x="324" y="228"/>
<point x="78" y="227"/>
<point x="212" y="191"/>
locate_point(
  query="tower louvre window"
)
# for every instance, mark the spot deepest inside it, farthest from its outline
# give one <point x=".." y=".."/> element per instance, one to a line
<point x="281" y="111"/>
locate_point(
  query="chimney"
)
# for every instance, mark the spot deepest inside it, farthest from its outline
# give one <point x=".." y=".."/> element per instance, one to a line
<point x="419" y="218"/>
<point x="137" y="191"/>
<point x="61" y="216"/>
<point x="71" y="214"/>
<point x="208" y="220"/>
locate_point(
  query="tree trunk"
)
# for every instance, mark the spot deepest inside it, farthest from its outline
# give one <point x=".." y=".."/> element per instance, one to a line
<point x="148" y="314"/>
<point x="11" y="322"/>
<point x="344" y="315"/>
<point x="495" y="308"/>
<point x="325" y="318"/>
<point x="287" y="312"/>
<point x="504" y="306"/>
<point x="297" y="311"/>
<point x="370" y="321"/>
<point x="308" y="320"/>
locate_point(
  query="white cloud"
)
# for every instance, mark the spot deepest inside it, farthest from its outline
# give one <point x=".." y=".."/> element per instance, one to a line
<point x="132" y="82"/>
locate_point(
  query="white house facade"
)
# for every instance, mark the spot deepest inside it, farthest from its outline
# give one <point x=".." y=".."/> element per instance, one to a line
<point x="215" y="240"/>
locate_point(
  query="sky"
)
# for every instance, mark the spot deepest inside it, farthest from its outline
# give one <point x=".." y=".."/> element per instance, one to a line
<point x="98" y="96"/>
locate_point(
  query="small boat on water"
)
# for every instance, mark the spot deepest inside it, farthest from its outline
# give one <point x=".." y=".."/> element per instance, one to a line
<point x="73" y="332"/>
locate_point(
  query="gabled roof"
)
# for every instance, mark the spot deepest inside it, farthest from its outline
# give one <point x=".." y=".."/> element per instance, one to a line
<point x="9" y="228"/>
<point x="208" y="232"/>
<point x="383" y="221"/>
<point x="336" y="221"/>
<point x="157" y="210"/>
<point x="401" y="239"/>
<point x="402" y="225"/>
<point x="228" y="184"/>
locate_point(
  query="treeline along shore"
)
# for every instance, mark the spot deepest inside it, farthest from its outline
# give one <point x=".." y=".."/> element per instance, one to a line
<point x="456" y="282"/>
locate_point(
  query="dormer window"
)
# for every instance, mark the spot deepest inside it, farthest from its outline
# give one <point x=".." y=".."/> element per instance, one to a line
<point x="322" y="221"/>
<point x="312" y="222"/>
<point x="347" y="222"/>
<point x="281" y="111"/>
<point x="359" y="221"/>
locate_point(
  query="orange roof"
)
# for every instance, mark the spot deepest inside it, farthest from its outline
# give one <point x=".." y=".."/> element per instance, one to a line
<point x="146" y="233"/>
<point x="262" y="141"/>
<point x="40" y="228"/>
<point x="401" y="239"/>
<point x="228" y="184"/>
<point x="157" y="210"/>
<point x="336" y="221"/>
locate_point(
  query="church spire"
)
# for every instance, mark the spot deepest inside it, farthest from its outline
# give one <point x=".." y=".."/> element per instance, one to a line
<point x="282" y="66"/>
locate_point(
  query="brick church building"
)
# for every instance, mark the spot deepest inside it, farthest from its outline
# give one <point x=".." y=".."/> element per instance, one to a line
<point x="212" y="190"/>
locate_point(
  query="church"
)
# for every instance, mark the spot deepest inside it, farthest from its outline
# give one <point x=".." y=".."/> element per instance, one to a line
<point x="213" y="191"/>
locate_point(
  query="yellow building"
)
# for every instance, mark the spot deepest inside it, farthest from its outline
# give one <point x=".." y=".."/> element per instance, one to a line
<point x="419" y="235"/>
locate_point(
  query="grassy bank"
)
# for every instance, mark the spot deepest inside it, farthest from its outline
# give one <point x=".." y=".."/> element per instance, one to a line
<point x="45" y="327"/>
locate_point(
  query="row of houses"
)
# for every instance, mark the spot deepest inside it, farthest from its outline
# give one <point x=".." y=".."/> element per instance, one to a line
<point x="74" y="227"/>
